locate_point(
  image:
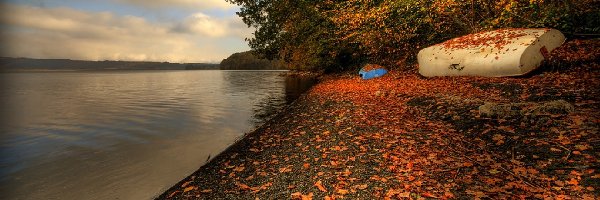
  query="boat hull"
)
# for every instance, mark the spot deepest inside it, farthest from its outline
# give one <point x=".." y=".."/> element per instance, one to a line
<point x="504" y="52"/>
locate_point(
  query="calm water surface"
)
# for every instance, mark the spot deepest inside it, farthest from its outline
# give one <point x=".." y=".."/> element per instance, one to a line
<point x="125" y="135"/>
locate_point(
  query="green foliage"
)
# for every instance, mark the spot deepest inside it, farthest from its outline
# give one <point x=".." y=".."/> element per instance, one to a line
<point x="338" y="35"/>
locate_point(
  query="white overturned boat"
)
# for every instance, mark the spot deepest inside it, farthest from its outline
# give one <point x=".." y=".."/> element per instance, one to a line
<point x="504" y="52"/>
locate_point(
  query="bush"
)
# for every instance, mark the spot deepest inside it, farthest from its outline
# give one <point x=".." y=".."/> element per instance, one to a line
<point x="337" y="35"/>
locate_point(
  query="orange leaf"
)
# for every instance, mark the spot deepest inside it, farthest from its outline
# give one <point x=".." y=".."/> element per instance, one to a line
<point x="342" y="191"/>
<point x="404" y="194"/>
<point x="306" y="165"/>
<point x="296" y="195"/>
<point x="362" y="187"/>
<point x="186" y="184"/>
<point x="239" y="169"/>
<point x="266" y="185"/>
<point x="187" y="189"/>
<point x="427" y="194"/>
<point x="243" y="186"/>
<point x="448" y="194"/>
<point x="573" y="182"/>
<point x="173" y="194"/>
<point x="467" y="164"/>
<point x="320" y="186"/>
<point x="206" y="191"/>
<point x="284" y="169"/>
<point x="307" y="197"/>
<point x="409" y="165"/>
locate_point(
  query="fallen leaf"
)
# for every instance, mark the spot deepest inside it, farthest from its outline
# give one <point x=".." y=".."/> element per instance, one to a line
<point x="285" y="169"/>
<point x="404" y="195"/>
<point x="296" y="195"/>
<point x="173" y="194"/>
<point x="243" y="186"/>
<point x="306" y="165"/>
<point x="581" y="147"/>
<point x="347" y="172"/>
<point x="187" y="189"/>
<point x="520" y="170"/>
<point x="239" y="169"/>
<point x="573" y="182"/>
<point x="448" y="195"/>
<point x="409" y="165"/>
<point x="307" y="197"/>
<point x="362" y="187"/>
<point x="320" y="186"/>
<point x="467" y="164"/>
<point x="342" y="191"/>
<point x="185" y="184"/>
<point x="427" y="194"/>
<point x="498" y="138"/>
<point x="554" y="149"/>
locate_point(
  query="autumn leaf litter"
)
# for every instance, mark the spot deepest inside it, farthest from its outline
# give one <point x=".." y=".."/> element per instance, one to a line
<point x="405" y="136"/>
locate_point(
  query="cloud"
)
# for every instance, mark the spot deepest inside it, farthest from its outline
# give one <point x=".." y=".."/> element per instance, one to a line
<point x="194" y="4"/>
<point x="200" y="23"/>
<point x="68" y="33"/>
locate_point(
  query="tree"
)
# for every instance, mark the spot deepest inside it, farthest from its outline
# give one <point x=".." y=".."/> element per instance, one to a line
<point x="248" y="61"/>
<point x="341" y="34"/>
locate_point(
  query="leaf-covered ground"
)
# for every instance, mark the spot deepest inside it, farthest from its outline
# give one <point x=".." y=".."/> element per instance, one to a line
<point x="406" y="136"/>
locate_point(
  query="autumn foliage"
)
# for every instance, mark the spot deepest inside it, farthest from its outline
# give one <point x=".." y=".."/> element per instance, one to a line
<point x="342" y="34"/>
<point x="403" y="136"/>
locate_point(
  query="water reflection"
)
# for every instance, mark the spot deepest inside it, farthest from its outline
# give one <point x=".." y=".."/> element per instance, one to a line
<point x="127" y="135"/>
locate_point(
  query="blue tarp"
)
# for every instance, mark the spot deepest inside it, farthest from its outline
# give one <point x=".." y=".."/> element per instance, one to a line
<point x="372" y="73"/>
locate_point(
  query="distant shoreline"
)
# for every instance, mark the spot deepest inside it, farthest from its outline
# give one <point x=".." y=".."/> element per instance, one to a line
<point x="8" y="64"/>
<point x="30" y="64"/>
<point x="129" y="70"/>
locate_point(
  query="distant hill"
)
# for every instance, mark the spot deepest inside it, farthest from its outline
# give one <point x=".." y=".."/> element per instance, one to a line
<point x="248" y="61"/>
<point x="18" y="64"/>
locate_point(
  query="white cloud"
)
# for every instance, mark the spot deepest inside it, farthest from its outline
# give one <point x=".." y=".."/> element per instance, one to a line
<point x="200" y="23"/>
<point x="67" y="33"/>
<point x="194" y="4"/>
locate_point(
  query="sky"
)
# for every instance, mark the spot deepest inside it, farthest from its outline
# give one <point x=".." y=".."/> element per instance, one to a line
<point x="178" y="31"/>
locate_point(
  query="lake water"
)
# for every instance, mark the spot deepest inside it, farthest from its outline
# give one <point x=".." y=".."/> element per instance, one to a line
<point x="125" y="135"/>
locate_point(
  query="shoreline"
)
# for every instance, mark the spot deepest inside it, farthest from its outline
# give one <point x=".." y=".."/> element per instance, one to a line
<point x="406" y="136"/>
<point x="238" y="146"/>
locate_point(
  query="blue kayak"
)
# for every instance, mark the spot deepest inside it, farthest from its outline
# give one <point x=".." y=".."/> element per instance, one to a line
<point x="374" y="73"/>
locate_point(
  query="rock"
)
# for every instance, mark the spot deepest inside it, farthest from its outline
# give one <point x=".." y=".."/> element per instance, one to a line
<point x="554" y="107"/>
<point x="497" y="110"/>
<point x="516" y="109"/>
